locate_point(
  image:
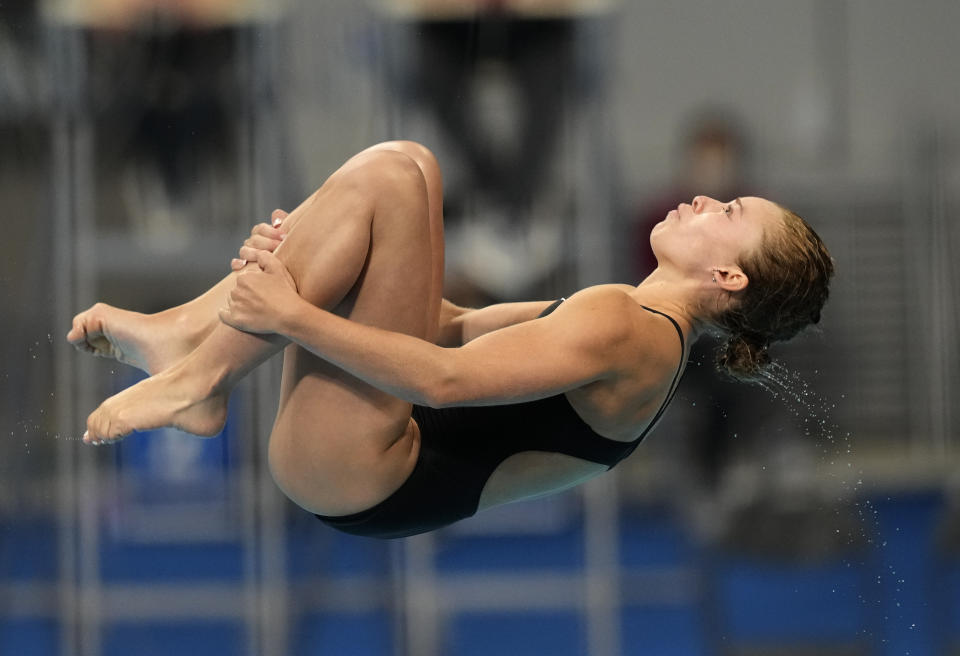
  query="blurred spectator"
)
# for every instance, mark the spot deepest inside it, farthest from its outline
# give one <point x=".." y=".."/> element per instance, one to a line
<point x="713" y="162"/>
<point x="473" y="60"/>
<point x="498" y="78"/>
<point x="165" y="97"/>
<point x="133" y="14"/>
<point x="24" y="85"/>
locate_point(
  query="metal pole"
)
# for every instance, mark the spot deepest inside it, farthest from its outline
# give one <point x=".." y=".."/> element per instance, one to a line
<point x="422" y="625"/>
<point x="942" y="398"/>
<point x="74" y="250"/>
<point x="63" y="267"/>
<point x="249" y="468"/>
<point x="259" y="54"/>
<point x="594" y="185"/>
<point x="83" y="164"/>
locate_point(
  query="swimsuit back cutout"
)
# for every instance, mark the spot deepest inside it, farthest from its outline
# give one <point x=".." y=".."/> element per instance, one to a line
<point x="598" y="448"/>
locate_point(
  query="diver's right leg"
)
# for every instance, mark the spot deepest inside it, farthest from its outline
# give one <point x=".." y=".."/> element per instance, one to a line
<point x="327" y="254"/>
<point x="154" y="342"/>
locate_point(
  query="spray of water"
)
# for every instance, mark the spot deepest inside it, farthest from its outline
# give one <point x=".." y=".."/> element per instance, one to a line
<point x="815" y="415"/>
<point x="34" y="428"/>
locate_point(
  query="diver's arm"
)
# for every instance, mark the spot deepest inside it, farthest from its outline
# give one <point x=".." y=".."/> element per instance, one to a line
<point x="459" y="326"/>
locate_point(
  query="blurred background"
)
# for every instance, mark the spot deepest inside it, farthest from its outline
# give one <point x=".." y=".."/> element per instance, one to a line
<point x="141" y="139"/>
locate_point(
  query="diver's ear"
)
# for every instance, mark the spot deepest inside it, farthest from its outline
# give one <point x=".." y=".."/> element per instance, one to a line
<point x="730" y="278"/>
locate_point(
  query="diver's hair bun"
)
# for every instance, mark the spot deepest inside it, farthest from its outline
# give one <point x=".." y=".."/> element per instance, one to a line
<point x="789" y="282"/>
<point x="744" y="357"/>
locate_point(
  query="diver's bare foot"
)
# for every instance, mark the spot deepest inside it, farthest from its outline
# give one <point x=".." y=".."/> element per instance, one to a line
<point x="167" y="399"/>
<point x="148" y="342"/>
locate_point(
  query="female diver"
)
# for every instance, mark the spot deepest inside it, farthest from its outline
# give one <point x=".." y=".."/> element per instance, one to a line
<point x="399" y="412"/>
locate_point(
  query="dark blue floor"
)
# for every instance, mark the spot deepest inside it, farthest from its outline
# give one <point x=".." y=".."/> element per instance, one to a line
<point x="333" y="634"/>
<point x="773" y="603"/>
<point x="170" y="563"/>
<point x="212" y="638"/>
<point x="37" y="637"/>
<point x="29" y="551"/>
<point x="903" y="597"/>
<point x="665" y="630"/>
<point x="480" y="634"/>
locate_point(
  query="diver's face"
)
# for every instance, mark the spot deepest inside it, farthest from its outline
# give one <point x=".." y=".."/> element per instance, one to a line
<point x="708" y="233"/>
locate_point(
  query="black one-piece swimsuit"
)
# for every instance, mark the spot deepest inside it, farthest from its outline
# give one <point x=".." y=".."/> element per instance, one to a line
<point x="461" y="447"/>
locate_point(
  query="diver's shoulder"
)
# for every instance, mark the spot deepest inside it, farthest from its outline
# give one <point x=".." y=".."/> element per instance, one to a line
<point x="610" y="293"/>
<point x="620" y="300"/>
<point x="619" y="305"/>
<point x="608" y="312"/>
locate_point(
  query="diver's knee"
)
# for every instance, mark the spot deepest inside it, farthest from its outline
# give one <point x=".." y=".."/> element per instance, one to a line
<point x="416" y="151"/>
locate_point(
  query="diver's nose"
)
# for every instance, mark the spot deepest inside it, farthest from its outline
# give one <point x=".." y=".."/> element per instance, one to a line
<point x="700" y="203"/>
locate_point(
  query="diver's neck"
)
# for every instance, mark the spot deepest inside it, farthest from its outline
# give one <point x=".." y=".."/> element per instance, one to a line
<point x="674" y="295"/>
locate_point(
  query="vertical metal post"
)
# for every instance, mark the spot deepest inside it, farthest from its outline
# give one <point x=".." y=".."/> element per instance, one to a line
<point x="594" y="181"/>
<point x="950" y="246"/>
<point x="602" y="564"/>
<point x="74" y="251"/>
<point x="914" y="228"/>
<point x="422" y="610"/>
<point x="927" y="233"/>
<point x="941" y="317"/>
<point x="258" y="55"/>
<point x="82" y="167"/>
<point x="249" y="517"/>
<point x="273" y="589"/>
<point x="831" y="31"/>
<point x="250" y="506"/>
<point x="64" y="298"/>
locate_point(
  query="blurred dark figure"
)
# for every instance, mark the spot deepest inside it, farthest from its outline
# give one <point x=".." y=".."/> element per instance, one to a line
<point x="24" y="83"/>
<point x="713" y="162"/>
<point x="27" y="407"/>
<point x="523" y="51"/>
<point x="501" y="80"/>
<point x="724" y="416"/>
<point x="166" y="100"/>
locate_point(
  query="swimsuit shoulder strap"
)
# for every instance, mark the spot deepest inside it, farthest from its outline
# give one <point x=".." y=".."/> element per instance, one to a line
<point x="672" y="320"/>
<point x="676" y="376"/>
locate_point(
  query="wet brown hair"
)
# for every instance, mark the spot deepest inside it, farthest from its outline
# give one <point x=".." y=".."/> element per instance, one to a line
<point x="789" y="278"/>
